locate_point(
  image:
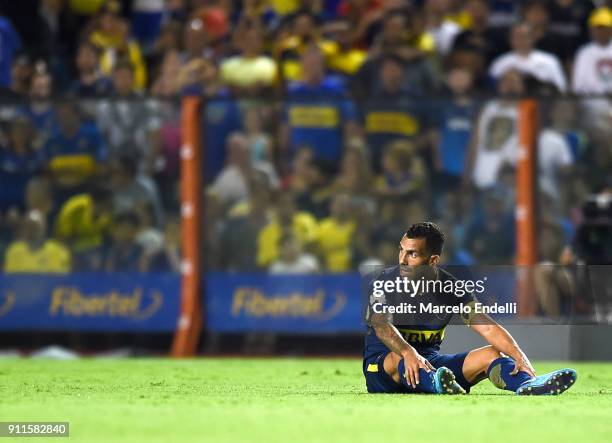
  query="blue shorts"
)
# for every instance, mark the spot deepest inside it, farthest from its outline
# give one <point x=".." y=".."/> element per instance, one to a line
<point x="378" y="381"/>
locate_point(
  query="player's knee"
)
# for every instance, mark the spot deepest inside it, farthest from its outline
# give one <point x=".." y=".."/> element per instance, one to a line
<point x="489" y="355"/>
<point x="390" y="364"/>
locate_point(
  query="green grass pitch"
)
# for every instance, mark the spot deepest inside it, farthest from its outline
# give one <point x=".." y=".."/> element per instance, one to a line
<point x="286" y="400"/>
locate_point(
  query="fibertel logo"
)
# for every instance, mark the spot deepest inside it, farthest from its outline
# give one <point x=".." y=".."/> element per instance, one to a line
<point x="252" y="302"/>
<point x="7" y="301"/>
<point x="138" y="305"/>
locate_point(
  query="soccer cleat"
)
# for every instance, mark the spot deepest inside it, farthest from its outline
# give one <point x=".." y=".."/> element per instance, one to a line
<point x="553" y="383"/>
<point x="445" y="382"/>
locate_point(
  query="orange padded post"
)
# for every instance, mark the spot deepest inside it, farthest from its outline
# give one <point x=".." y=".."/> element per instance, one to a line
<point x="190" y="322"/>
<point x="526" y="185"/>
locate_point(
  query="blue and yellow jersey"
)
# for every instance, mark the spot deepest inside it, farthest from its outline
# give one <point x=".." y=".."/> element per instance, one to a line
<point x="75" y="158"/>
<point x="316" y="115"/>
<point x="423" y="331"/>
<point x="388" y="118"/>
<point x="50" y="257"/>
<point x="78" y="225"/>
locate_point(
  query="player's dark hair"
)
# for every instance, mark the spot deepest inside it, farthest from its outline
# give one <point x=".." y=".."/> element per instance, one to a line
<point x="433" y="235"/>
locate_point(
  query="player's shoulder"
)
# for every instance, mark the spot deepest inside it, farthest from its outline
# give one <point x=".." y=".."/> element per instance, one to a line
<point x="453" y="273"/>
<point x="386" y="273"/>
<point x="389" y="271"/>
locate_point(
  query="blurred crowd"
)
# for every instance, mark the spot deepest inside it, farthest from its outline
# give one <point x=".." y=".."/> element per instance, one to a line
<point x="328" y="127"/>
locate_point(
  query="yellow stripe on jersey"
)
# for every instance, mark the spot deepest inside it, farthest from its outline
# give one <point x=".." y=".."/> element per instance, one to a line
<point x="372" y="367"/>
<point x="423" y="336"/>
<point x="391" y="122"/>
<point x="313" y="117"/>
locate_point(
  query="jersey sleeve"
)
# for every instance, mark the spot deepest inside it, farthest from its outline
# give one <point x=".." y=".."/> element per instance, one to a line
<point x="375" y="298"/>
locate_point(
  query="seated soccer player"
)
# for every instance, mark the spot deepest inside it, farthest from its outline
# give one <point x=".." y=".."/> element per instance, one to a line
<point x="402" y="352"/>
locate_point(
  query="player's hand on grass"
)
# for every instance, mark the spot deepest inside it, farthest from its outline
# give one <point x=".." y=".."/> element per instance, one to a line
<point x="413" y="361"/>
<point x="523" y="364"/>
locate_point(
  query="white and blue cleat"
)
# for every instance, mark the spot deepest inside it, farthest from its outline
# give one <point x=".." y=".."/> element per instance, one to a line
<point x="445" y="382"/>
<point x="553" y="383"/>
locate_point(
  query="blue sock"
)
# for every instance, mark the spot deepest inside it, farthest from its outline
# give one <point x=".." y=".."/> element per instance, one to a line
<point x="499" y="374"/>
<point x="426" y="380"/>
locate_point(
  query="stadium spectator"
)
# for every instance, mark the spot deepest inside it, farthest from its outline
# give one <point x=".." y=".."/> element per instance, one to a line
<point x="149" y="236"/>
<point x="168" y="41"/>
<point x="535" y="14"/>
<point x="490" y="41"/>
<point x="130" y="125"/>
<point x="524" y="58"/>
<point x="147" y="16"/>
<point x="318" y="112"/>
<point x="346" y="59"/>
<point x="39" y="109"/>
<point x="495" y="137"/>
<point x="124" y="254"/>
<point x="392" y="113"/>
<point x="249" y="72"/>
<point x="568" y="24"/>
<point x="419" y="76"/>
<point x="593" y="63"/>
<point x="75" y="152"/>
<point x="490" y="238"/>
<point x="456" y="120"/>
<point x="196" y="41"/>
<point x="457" y="214"/>
<point x="260" y="142"/>
<point x="85" y="220"/>
<point x="39" y="198"/>
<point x="11" y="43"/>
<point x="19" y="161"/>
<point x="304" y="34"/>
<point x="286" y="218"/>
<point x="308" y="182"/>
<point x="554" y="283"/>
<point x="89" y="82"/>
<point x="335" y="235"/>
<point x="168" y="259"/>
<point x="110" y="33"/>
<point x="231" y="185"/>
<point x="34" y="253"/>
<point x="292" y="259"/>
<point x="403" y="172"/>
<point x="403" y="33"/>
<point x="215" y="22"/>
<point x="454" y="255"/>
<point x="442" y="29"/>
<point x="259" y="11"/>
<point x="166" y="84"/>
<point x="21" y="73"/>
<point x="355" y="177"/>
<point x="504" y="12"/>
<point x="361" y="17"/>
<point x="555" y="161"/>
<point x="132" y="190"/>
<point x="239" y="236"/>
<point x="201" y="77"/>
<point x="564" y="119"/>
